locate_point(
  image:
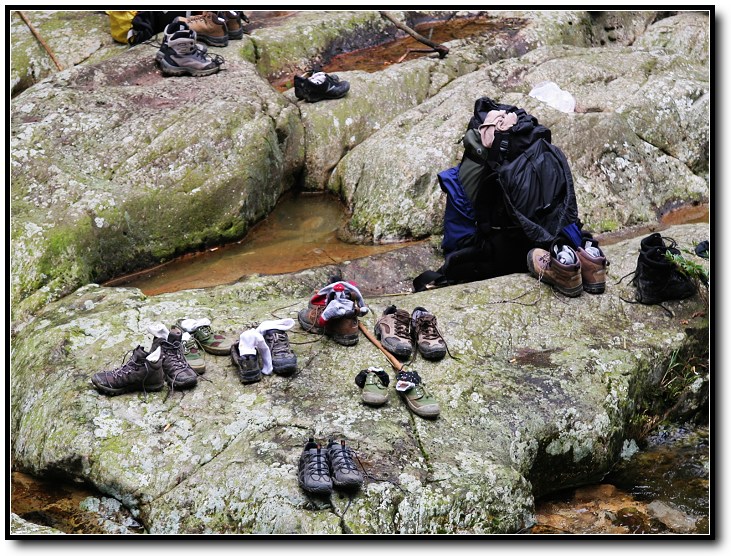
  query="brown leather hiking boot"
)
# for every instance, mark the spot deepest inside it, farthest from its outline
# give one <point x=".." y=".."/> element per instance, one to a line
<point x="308" y="317"/>
<point x="138" y="373"/>
<point x="560" y="267"/>
<point x="234" y="23"/>
<point x="343" y="330"/>
<point x="593" y="266"/>
<point x="393" y="330"/>
<point x="209" y="28"/>
<point x="426" y="335"/>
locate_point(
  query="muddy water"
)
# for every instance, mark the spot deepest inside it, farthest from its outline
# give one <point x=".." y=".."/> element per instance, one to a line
<point x="301" y="232"/>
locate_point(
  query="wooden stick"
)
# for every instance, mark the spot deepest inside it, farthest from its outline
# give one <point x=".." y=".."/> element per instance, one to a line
<point x="439" y="48"/>
<point x="40" y="40"/>
<point x="395" y="363"/>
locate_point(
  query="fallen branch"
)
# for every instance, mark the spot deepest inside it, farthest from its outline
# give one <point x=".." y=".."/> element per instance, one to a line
<point x="438" y="48"/>
<point x="37" y="35"/>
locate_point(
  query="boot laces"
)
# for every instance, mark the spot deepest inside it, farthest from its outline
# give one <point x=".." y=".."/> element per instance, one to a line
<point x="174" y="353"/>
<point x="342" y="458"/>
<point x="401" y="321"/>
<point x="129" y="366"/>
<point x="427" y="327"/>
<point x="317" y="464"/>
<point x="280" y="343"/>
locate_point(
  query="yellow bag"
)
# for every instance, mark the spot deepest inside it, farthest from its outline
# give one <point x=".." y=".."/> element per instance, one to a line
<point x="121" y="23"/>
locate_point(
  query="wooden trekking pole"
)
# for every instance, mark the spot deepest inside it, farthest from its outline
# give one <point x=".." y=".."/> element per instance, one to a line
<point x="37" y="35"/>
<point x="395" y="363"/>
<point x="438" y="48"/>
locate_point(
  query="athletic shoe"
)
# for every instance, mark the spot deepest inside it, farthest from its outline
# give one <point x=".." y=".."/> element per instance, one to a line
<point x="320" y="86"/>
<point x="211" y="342"/>
<point x="343" y="470"/>
<point x="374" y="385"/>
<point x="314" y="470"/>
<point x="426" y="335"/>
<point x="413" y="391"/>
<point x="193" y="355"/>
<point x="138" y="373"/>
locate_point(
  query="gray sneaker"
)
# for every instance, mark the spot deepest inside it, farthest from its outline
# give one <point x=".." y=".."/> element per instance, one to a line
<point x="392" y="329"/>
<point x="413" y="391"/>
<point x="343" y="470"/>
<point x="138" y="373"/>
<point x="314" y="471"/>
<point x="374" y="383"/>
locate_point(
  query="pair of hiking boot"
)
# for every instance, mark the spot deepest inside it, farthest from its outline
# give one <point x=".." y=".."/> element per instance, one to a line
<point x="320" y="86"/>
<point x="249" y="365"/>
<point x="570" y="271"/>
<point x="333" y="311"/>
<point x="180" y="54"/>
<point x="374" y="382"/>
<point x="657" y="277"/>
<point x="402" y="333"/>
<point x="149" y="371"/>
<point x="321" y="469"/>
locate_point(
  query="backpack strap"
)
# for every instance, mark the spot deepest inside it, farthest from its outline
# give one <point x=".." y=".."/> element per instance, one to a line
<point x="434" y="277"/>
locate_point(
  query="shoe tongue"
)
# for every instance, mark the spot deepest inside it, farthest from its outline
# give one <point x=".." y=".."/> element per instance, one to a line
<point x="175" y="335"/>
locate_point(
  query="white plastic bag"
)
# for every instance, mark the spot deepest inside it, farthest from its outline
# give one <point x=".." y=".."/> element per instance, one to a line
<point x="554" y="96"/>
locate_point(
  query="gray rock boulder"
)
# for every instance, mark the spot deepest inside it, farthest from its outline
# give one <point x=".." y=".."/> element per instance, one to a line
<point x="524" y="412"/>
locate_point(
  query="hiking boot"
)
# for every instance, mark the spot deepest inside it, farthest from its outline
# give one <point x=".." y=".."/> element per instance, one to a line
<point x="308" y="317"/>
<point x="320" y="86"/>
<point x="314" y="471"/>
<point x="172" y="28"/>
<point x="413" y="391"/>
<point x="374" y="383"/>
<point x="193" y="355"/>
<point x="179" y="54"/>
<point x="426" y="335"/>
<point x="234" y="23"/>
<point x="138" y="373"/>
<point x="559" y="266"/>
<point x="659" y="279"/>
<point x="343" y="330"/>
<point x="209" y="27"/>
<point x="213" y="343"/>
<point x="593" y="266"/>
<point x="343" y="470"/>
<point x="178" y="373"/>
<point x="284" y="361"/>
<point x="392" y="329"/>
<point x="247" y="366"/>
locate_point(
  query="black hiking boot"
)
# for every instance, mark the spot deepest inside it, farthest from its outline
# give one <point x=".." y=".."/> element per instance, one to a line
<point x="314" y="471"/>
<point x="138" y="373"/>
<point x="178" y="373"/>
<point x="247" y="366"/>
<point x="284" y="361"/>
<point x="659" y="279"/>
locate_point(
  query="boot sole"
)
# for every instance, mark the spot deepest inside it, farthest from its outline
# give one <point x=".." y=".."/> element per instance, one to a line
<point x="594" y="288"/>
<point x="177" y="71"/>
<point x="430" y="412"/>
<point x="401" y="353"/>
<point x="249" y="378"/>
<point x="118" y="391"/>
